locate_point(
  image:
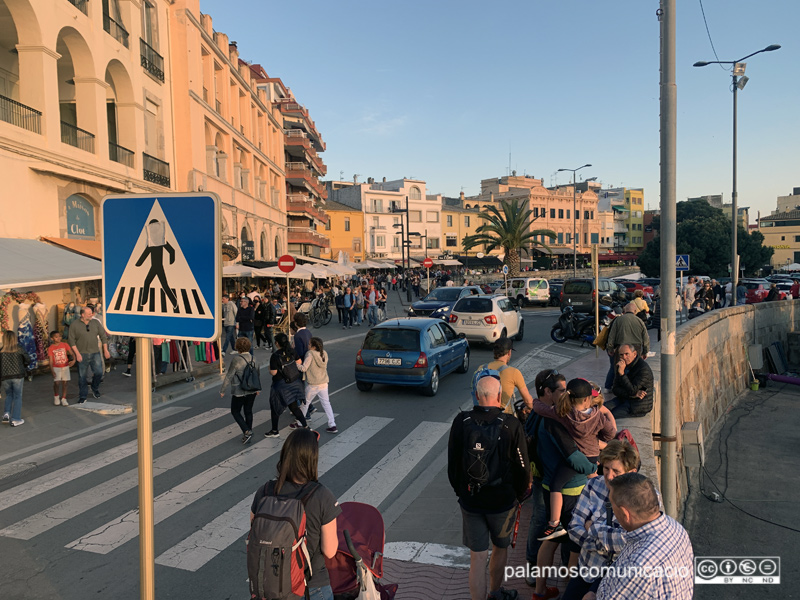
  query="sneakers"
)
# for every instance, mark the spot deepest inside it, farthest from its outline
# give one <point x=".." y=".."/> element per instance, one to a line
<point x="81" y="400"/>
<point x="311" y="410"/>
<point x="246" y="436"/>
<point x="552" y="532"/>
<point x="96" y="394"/>
<point x="6" y="417"/>
<point x="504" y="594"/>
<point x="17" y="422"/>
<point x="127" y="373"/>
<point x="56" y="400"/>
<point x="549" y="593"/>
<point x="333" y="429"/>
<point x="64" y="402"/>
<point x="295" y="425"/>
<point x="272" y="434"/>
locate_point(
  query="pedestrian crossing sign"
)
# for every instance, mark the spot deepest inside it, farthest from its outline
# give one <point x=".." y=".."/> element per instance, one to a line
<point x="682" y="262"/>
<point x="161" y="265"/>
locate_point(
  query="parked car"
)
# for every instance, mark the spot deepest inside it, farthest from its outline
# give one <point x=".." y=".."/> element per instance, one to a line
<point x="757" y="290"/>
<point x="438" y="303"/>
<point x="410" y="352"/>
<point x="651" y="281"/>
<point x="580" y="293"/>
<point x="487" y="318"/>
<point x="526" y="291"/>
<point x="632" y="286"/>
<point x="496" y="284"/>
<point x="555" y="293"/>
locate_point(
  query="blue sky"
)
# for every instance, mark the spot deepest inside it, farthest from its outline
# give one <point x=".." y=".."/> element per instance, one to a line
<point x="443" y="91"/>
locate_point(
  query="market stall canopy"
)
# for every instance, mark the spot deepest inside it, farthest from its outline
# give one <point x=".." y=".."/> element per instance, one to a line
<point x="631" y="277"/>
<point x="239" y="271"/>
<point x="299" y="272"/>
<point x="447" y="262"/>
<point x="791" y="267"/>
<point x="31" y="263"/>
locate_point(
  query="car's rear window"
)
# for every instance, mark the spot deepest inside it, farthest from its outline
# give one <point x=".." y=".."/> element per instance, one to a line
<point x="443" y="294"/>
<point x="578" y="287"/>
<point x="473" y="305"/>
<point x="751" y="286"/>
<point x="385" y="338"/>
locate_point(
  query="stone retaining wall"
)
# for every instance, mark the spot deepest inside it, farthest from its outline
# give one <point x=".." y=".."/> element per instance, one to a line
<point x="711" y="361"/>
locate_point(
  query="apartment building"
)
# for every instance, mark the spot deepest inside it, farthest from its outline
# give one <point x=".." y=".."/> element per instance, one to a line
<point x="552" y="208"/>
<point x="85" y="111"/>
<point x="628" y="207"/>
<point x="344" y="229"/>
<point x="305" y="194"/>
<point x="229" y="136"/>
<point x="457" y="223"/>
<point x="717" y="201"/>
<point x="384" y="204"/>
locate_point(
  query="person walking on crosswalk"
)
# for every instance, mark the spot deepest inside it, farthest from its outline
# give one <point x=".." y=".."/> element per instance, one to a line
<point x="287" y="384"/>
<point x="241" y="400"/>
<point x="298" y="479"/>
<point x="315" y="367"/>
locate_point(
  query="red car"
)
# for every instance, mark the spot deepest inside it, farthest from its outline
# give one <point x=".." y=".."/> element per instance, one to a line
<point x="757" y="291"/>
<point x="632" y="286"/>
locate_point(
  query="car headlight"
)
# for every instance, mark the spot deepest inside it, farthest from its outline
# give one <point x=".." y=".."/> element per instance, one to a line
<point x="444" y="308"/>
<point x="411" y="310"/>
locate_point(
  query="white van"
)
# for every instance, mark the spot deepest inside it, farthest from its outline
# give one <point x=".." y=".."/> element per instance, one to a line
<point x="529" y="290"/>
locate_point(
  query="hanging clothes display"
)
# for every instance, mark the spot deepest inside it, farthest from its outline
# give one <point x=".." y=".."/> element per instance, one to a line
<point x="25" y="335"/>
<point x="40" y="334"/>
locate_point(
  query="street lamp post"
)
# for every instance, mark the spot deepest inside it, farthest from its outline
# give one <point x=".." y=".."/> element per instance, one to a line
<point x="739" y="81"/>
<point x="574" y="215"/>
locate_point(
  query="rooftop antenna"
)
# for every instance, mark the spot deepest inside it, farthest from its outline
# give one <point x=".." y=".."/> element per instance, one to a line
<point x="341" y="175"/>
<point x="355" y="177"/>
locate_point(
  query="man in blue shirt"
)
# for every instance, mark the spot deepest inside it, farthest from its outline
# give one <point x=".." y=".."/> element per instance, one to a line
<point x="349" y="306"/>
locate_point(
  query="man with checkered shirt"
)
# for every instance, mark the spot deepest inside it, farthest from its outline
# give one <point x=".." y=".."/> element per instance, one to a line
<point x="656" y="562"/>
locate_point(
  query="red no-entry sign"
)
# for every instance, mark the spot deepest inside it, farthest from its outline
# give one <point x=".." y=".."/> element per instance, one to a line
<point x="427" y="263"/>
<point x="286" y="263"/>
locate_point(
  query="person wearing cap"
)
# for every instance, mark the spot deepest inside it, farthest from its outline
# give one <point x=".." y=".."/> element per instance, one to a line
<point x="625" y="329"/>
<point x="510" y="377"/>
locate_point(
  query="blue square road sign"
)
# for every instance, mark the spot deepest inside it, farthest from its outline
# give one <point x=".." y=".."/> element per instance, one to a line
<point x="682" y="262"/>
<point x="161" y="265"/>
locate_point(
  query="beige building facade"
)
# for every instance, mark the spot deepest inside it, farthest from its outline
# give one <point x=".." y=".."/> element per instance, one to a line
<point x="229" y="136"/>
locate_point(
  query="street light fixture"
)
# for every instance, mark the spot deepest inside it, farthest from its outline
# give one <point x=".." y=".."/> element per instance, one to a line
<point x="739" y="81"/>
<point x="574" y="220"/>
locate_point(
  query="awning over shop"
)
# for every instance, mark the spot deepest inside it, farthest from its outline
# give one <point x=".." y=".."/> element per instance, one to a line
<point x="89" y="248"/>
<point x="447" y="262"/>
<point x="620" y="208"/>
<point x="31" y="263"/>
<point x="613" y="257"/>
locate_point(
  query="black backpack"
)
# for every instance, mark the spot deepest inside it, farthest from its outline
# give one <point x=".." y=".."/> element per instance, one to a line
<point x="250" y="378"/>
<point x="482" y="461"/>
<point x="290" y="371"/>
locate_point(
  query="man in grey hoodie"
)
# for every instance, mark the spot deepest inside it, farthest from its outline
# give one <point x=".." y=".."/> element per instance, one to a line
<point x="228" y="323"/>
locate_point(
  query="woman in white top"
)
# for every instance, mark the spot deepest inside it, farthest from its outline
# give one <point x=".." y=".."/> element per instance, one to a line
<point x="315" y="366"/>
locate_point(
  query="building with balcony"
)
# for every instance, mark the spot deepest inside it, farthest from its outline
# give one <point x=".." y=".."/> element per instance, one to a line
<point x="84" y="112"/>
<point x="302" y="146"/>
<point x="228" y="136"/>
<point x="457" y="223"/>
<point x="628" y="207"/>
<point x="552" y="208"/>
<point x="781" y="231"/>
<point x="717" y="201"/>
<point x="384" y="204"/>
<point x="345" y="230"/>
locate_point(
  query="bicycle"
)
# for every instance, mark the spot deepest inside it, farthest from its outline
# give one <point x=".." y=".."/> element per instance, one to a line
<point x="320" y="313"/>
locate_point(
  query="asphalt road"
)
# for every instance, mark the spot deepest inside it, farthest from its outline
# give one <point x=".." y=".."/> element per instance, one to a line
<point x="68" y="521"/>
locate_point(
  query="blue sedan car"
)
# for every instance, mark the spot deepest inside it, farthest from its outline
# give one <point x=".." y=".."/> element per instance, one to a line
<point x="411" y="352"/>
<point x="441" y="300"/>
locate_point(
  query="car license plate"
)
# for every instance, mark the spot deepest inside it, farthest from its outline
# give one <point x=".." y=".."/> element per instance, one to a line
<point x="578" y="303"/>
<point x="469" y="322"/>
<point x="394" y="362"/>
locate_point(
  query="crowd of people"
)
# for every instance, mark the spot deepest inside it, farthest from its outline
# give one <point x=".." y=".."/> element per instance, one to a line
<point x="561" y="451"/>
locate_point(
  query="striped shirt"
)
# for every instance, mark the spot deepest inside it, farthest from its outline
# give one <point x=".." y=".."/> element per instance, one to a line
<point x="659" y="561"/>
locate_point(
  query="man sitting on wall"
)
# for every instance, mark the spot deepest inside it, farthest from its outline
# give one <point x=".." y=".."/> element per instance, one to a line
<point x="633" y="384"/>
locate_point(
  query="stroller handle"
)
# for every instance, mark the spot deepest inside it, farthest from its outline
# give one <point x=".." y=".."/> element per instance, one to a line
<point x="351" y="547"/>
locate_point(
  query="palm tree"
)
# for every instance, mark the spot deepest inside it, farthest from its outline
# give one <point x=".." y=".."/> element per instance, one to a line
<point x="509" y="230"/>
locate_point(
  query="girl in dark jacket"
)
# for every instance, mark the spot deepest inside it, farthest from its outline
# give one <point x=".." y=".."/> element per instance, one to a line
<point x="13" y="367"/>
<point x="259" y="321"/>
<point x="287" y="384"/>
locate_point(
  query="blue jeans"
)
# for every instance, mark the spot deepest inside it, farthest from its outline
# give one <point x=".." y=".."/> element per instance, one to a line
<point x="90" y="361"/>
<point x="372" y="314"/>
<point x="359" y="312"/>
<point x="248" y="335"/>
<point x="321" y="593"/>
<point x="12" y="390"/>
<point x="347" y="321"/>
<point x="229" y="335"/>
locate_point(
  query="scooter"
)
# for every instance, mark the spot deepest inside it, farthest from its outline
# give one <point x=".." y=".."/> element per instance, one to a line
<point x="580" y="327"/>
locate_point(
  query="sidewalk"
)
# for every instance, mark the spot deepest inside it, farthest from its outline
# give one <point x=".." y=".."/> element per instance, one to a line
<point x="420" y="580"/>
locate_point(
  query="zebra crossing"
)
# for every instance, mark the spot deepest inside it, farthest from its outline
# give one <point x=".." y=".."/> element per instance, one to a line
<point x="89" y="504"/>
<point x="157" y="301"/>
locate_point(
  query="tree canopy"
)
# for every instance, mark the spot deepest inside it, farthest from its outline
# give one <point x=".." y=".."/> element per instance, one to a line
<point x="704" y="233"/>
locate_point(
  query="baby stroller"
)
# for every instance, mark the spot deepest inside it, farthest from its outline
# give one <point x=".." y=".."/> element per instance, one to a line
<point x="359" y="560"/>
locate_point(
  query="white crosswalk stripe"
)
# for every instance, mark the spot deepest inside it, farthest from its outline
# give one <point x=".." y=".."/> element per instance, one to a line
<point x="91" y="498"/>
<point x="45" y="483"/>
<point x="200" y="547"/>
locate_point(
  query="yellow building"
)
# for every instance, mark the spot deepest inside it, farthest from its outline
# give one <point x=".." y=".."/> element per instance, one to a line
<point x="634" y="202"/>
<point x="782" y="233"/>
<point x="458" y="222"/>
<point x="627" y="205"/>
<point x="345" y="230"/>
<point x="228" y="136"/>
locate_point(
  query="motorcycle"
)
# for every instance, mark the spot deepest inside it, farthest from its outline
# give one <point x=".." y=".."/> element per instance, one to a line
<point x="571" y="326"/>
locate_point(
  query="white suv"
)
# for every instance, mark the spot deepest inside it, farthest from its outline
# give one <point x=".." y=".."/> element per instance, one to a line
<point x="487" y="318"/>
<point x="529" y="290"/>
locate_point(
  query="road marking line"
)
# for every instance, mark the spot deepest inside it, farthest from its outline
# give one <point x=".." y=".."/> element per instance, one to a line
<point x="91" y="498"/>
<point x="52" y="480"/>
<point x="428" y="553"/>
<point x="199" y="548"/>
<point x="376" y="485"/>
<point x="342" y="389"/>
<point x="118" y="531"/>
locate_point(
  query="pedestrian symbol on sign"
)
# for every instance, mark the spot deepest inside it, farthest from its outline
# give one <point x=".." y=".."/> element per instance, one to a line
<point x="682" y="262"/>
